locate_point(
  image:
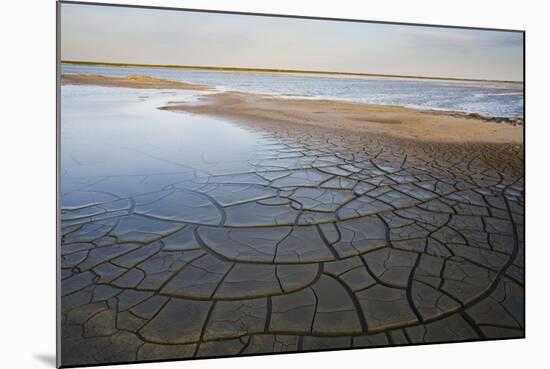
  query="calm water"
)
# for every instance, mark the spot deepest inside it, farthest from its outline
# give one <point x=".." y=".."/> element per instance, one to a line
<point x="117" y="132"/>
<point x="489" y="99"/>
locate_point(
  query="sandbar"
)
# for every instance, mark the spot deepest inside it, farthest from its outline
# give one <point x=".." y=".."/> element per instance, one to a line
<point x="398" y="122"/>
<point x="360" y="118"/>
<point x="131" y="81"/>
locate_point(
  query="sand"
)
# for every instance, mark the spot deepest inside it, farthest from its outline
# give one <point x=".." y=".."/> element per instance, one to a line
<point x="398" y="122"/>
<point x="361" y="118"/>
<point x="132" y="81"/>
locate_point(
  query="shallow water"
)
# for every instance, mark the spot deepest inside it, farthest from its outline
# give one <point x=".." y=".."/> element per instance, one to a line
<point x="118" y="131"/>
<point x="489" y="99"/>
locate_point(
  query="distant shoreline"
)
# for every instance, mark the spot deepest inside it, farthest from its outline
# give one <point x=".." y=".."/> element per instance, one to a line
<point x="295" y="71"/>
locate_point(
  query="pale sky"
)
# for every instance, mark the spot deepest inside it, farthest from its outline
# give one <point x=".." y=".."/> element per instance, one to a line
<point x="146" y="36"/>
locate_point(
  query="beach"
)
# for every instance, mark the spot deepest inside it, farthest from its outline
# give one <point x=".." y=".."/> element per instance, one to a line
<point x="361" y="118"/>
<point x="204" y="222"/>
<point x="397" y="122"/>
<point x="132" y="81"/>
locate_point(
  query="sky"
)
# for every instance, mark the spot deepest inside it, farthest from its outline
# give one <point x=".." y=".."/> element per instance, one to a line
<point x="168" y="37"/>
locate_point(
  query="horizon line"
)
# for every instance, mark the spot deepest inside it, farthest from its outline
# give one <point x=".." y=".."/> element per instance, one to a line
<point x="275" y="70"/>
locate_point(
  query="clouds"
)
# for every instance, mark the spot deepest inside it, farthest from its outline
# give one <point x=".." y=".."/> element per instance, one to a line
<point x="442" y="36"/>
<point x="115" y="34"/>
<point x="461" y="38"/>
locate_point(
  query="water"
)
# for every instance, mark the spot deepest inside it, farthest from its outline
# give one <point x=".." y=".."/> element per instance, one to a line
<point x="486" y="98"/>
<point x="108" y="132"/>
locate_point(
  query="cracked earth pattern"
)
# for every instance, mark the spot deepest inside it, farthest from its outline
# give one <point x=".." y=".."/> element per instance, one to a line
<point x="320" y="240"/>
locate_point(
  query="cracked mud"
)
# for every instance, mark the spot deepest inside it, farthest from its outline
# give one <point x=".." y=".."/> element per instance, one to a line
<point x="318" y="239"/>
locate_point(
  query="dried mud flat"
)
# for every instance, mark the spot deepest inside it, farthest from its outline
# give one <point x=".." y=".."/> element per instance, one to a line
<point x="335" y="239"/>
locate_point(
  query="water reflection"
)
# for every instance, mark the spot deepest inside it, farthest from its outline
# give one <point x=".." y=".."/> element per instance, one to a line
<point x="116" y="131"/>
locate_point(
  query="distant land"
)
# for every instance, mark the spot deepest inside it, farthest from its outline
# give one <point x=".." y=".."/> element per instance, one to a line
<point x="267" y="70"/>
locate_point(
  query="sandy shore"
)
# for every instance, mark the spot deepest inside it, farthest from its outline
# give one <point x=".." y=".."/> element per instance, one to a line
<point x="397" y="122"/>
<point x="362" y="118"/>
<point x="132" y="81"/>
